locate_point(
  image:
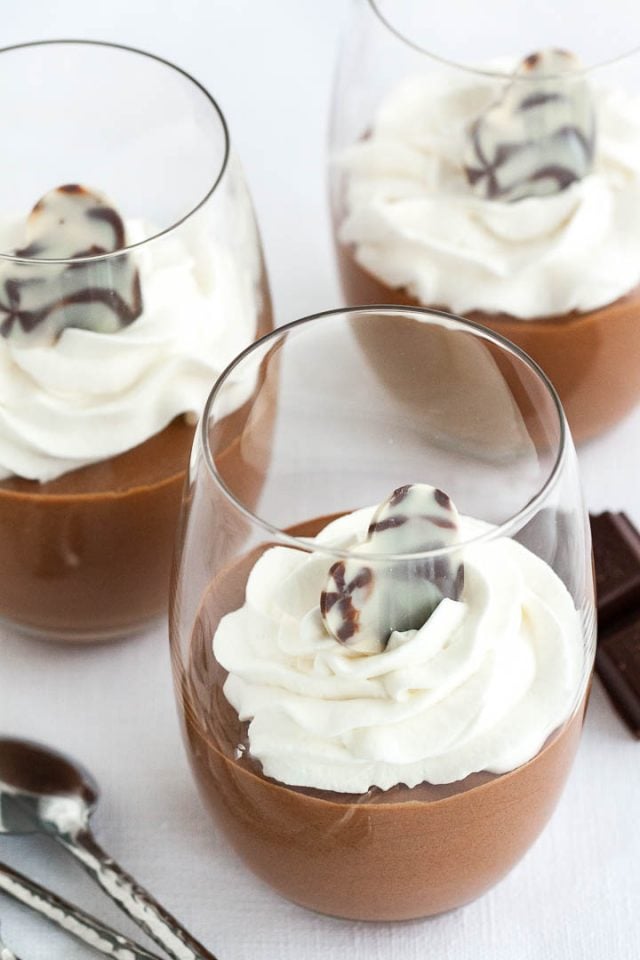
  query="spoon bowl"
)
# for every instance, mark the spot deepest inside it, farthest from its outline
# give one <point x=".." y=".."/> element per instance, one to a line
<point x="43" y="791"/>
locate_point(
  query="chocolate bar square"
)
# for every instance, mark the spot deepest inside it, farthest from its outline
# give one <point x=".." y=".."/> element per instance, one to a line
<point x="616" y="553"/>
<point x="616" y="550"/>
<point x="618" y="666"/>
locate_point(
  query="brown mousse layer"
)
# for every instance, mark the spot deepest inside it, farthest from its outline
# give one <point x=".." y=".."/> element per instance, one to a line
<point x="387" y="855"/>
<point x="592" y="359"/>
<point x="88" y="556"/>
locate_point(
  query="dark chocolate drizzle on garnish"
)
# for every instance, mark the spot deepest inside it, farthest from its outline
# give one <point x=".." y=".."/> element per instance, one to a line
<point x="387" y="524"/>
<point x="441" y="497"/>
<point x="32" y="250"/>
<point x="539" y="138"/>
<point x="538" y="100"/>
<point x="110" y="216"/>
<point x="38" y="300"/>
<point x="343" y="597"/>
<point x="533" y="59"/>
<point x="399" y="495"/>
<point x="365" y="601"/>
<point x="29" y="320"/>
<point x="563" y="176"/>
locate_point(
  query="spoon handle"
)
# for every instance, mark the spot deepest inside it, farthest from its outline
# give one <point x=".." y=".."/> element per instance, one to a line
<point x="65" y="915"/>
<point x="133" y="899"/>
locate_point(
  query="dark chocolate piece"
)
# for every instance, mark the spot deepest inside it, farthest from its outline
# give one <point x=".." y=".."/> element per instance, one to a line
<point x="618" y="666"/>
<point x="616" y="553"/>
<point x="38" y="300"/>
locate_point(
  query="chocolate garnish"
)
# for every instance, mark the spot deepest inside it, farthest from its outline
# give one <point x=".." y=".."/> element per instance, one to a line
<point x="616" y="551"/>
<point x="38" y="300"/>
<point x="363" y="602"/>
<point x="539" y="138"/>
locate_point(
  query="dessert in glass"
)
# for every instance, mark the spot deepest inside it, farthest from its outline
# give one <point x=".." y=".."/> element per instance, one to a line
<point x="493" y="169"/>
<point x="382" y="668"/>
<point x="130" y="274"/>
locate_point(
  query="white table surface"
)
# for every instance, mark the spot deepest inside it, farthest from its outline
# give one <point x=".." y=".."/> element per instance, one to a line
<point x="576" y="894"/>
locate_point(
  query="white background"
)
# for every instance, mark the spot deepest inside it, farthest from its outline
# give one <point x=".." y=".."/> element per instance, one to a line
<point x="576" y="894"/>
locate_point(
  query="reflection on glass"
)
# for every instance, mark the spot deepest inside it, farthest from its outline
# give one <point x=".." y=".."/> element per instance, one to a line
<point x="504" y="186"/>
<point x="382" y="664"/>
<point x="130" y="274"/>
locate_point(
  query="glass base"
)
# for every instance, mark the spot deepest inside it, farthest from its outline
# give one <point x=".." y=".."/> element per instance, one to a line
<point x="81" y="636"/>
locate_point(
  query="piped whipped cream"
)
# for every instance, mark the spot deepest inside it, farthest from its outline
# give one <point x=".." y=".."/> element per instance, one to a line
<point x="479" y="687"/>
<point x="91" y="396"/>
<point x="414" y="223"/>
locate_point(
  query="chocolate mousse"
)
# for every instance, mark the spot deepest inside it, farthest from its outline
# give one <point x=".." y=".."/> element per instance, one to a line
<point x="88" y="555"/>
<point x="390" y="853"/>
<point x="523" y="219"/>
<point x="592" y="359"/>
<point x="86" y="534"/>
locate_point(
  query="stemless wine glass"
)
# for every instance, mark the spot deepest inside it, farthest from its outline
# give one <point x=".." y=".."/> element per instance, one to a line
<point x="478" y="166"/>
<point x="392" y="692"/>
<point x="131" y="273"/>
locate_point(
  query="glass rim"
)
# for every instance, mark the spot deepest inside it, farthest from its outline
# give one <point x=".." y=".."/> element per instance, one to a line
<point x="111" y="254"/>
<point x="487" y="72"/>
<point x="309" y="544"/>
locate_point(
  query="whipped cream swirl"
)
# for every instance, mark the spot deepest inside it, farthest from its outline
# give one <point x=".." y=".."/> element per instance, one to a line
<point x="413" y="222"/>
<point x="480" y="686"/>
<point x="91" y="396"/>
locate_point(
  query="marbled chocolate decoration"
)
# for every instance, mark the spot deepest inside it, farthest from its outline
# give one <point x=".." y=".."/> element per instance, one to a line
<point x="539" y="138"/>
<point x="364" y="603"/>
<point x="38" y="300"/>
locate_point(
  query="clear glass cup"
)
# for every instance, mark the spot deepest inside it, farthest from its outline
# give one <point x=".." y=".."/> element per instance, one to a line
<point x="476" y="167"/>
<point x="123" y="295"/>
<point x="399" y="769"/>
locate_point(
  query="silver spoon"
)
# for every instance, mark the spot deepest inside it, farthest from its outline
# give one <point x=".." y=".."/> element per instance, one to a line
<point x="70" y="918"/>
<point x="42" y="791"/>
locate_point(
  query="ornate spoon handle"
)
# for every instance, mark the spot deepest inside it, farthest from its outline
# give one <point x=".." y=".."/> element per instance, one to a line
<point x="133" y="899"/>
<point x="65" y="915"/>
